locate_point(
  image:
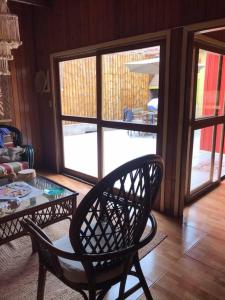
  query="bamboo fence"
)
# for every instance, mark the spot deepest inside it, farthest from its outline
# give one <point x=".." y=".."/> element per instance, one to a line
<point x="120" y="87"/>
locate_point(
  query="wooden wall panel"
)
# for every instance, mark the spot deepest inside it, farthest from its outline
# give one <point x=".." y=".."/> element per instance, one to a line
<point x="172" y="152"/>
<point x="72" y="24"/>
<point x="25" y="105"/>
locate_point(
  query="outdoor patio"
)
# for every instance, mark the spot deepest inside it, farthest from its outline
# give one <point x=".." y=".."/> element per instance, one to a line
<point x="201" y="163"/>
<point x="119" y="146"/>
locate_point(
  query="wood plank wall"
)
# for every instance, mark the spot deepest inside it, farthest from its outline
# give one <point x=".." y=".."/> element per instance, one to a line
<point x="72" y="24"/>
<point x="25" y="109"/>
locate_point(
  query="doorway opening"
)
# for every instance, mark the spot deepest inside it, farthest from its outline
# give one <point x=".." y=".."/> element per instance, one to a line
<point x="206" y="155"/>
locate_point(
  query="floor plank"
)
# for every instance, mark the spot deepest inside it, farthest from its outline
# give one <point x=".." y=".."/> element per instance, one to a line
<point x="209" y="251"/>
<point x="189" y="280"/>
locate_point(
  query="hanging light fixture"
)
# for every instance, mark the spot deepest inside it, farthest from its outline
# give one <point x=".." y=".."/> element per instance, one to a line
<point x="9" y="36"/>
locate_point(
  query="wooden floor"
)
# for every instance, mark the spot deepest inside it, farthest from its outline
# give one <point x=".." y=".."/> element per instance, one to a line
<point x="190" y="262"/>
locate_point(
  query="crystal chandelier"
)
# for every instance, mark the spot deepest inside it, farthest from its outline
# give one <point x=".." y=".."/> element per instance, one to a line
<point x="9" y="36"/>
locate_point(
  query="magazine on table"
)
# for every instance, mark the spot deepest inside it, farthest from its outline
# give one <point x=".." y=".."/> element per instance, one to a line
<point x="18" y="191"/>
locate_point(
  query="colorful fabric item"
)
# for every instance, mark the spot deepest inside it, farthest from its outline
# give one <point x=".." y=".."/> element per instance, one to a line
<point x="8" y="145"/>
<point x="12" y="168"/>
<point x="3" y="132"/>
<point x="11" y="154"/>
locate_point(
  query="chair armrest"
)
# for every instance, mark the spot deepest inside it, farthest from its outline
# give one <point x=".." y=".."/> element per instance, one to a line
<point x="151" y="234"/>
<point x="29" y="155"/>
<point x="43" y="242"/>
<point x="42" y="239"/>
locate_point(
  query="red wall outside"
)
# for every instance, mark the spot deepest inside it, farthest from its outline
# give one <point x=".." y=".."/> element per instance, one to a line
<point x="209" y="100"/>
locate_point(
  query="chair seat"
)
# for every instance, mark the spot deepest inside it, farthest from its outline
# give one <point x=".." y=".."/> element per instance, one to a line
<point x="7" y="169"/>
<point x="74" y="270"/>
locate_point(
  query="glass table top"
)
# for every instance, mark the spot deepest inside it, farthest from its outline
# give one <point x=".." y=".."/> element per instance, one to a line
<point x="29" y="194"/>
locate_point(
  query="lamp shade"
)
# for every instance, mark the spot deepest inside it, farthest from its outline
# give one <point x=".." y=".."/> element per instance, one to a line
<point x="9" y="36"/>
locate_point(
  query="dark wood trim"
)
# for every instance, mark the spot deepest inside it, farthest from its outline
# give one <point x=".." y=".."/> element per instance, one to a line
<point x="174" y="125"/>
<point x="211" y="48"/>
<point x="58" y="121"/>
<point x="203" y="122"/>
<point x="207" y="121"/>
<point x="161" y="108"/>
<point x="130" y="126"/>
<point x="40" y="3"/>
<point x="194" y="73"/>
<point x="202" y="190"/>
<point x="79" y="175"/>
<point x="130" y="47"/>
<point x="190" y="57"/>
<point x="78" y="119"/>
<point x="99" y="116"/>
<point x="221" y="150"/>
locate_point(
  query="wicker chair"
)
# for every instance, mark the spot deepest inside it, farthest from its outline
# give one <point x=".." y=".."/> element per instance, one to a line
<point x="14" y="140"/>
<point x="105" y="233"/>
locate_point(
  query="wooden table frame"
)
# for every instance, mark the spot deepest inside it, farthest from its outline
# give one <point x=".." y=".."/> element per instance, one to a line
<point x="43" y="215"/>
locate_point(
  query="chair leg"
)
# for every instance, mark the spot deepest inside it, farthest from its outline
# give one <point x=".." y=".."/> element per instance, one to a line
<point x="92" y="294"/>
<point x="122" y="288"/>
<point x="34" y="247"/>
<point x="142" y="279"/>
<point x="41" y="282"/>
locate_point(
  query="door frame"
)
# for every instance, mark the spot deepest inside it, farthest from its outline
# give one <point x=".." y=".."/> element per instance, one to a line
<point x="205" y="122"/>
<point x="186" y="94"/>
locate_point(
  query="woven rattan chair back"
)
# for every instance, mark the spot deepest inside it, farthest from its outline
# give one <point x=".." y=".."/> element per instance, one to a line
<point x="113" y="215"/>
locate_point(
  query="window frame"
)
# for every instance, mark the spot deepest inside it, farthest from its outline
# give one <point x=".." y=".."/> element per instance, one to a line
<point x="98" y="51"/>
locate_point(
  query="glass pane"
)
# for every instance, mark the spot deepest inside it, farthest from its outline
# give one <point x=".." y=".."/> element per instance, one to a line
<point x="208" y="67"/>
<point x="201" y="157"/>
<point x="121" y="146"/>
<point x="130" y="83"/>
<point x="78" y="87"/>
<point x="80" y="147"/>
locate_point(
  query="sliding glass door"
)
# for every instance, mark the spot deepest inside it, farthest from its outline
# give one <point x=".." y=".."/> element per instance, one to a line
<point x="126" y="99"/>
<point x="207" y="122"/>
<point x="110" y="108"/>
